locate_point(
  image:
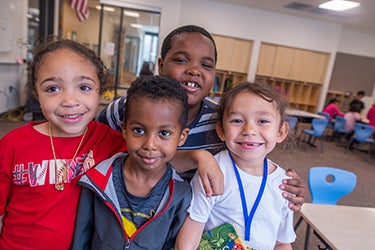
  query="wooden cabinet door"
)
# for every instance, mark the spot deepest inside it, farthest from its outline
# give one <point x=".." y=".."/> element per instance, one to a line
<point x="300" y="69"/>
<point x="233" y="54"/>
<point x="266" y="59"/>
<point x="241" y="54"/>
<point x="224" y="53"/>
<point x="283" y="62"/>
<point x="318" y="67"/>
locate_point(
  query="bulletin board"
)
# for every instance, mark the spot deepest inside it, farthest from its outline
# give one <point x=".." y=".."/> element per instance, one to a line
<point x="13" y="31"/>
<point x="353" y="73"/>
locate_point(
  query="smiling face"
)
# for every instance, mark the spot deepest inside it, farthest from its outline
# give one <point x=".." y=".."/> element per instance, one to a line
<point x="152" y="137"/>
<point x="251" y="129"/>
<point x="67" y="87"/>
<point x="191" y="61"/>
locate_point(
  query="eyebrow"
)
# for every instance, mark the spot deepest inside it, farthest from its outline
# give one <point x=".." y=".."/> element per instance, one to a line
<point x="52" y="79"/>
<point x="60" y="80"/>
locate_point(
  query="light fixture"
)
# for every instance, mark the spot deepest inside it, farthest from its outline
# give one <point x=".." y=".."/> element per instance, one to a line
<point x="136" y="25"/>
<point x="339" y="5"/>
<point x="106" y="8"/>
<point x="131" y="13"/>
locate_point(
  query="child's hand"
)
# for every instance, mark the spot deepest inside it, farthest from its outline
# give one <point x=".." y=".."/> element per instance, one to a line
<point x="210" y="173"/>
<point x="296" y="190"/>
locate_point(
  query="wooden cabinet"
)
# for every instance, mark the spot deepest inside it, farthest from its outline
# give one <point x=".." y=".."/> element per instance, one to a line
<point x="296" y="72"/>
<point x="283" y="62"/>
<point x="318" y="66"/>
<point x="344" y="99"/>
<point x="292" y="63"/>
<point x="225" y="80"/>
<point x="266" y="59"/>
<point x="233" y="63"/>
<point x="300" y="95"/>
<point x="233" y="53"/>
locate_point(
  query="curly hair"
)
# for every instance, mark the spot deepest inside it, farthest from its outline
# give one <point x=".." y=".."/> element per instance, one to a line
<point x="158" y="88"/>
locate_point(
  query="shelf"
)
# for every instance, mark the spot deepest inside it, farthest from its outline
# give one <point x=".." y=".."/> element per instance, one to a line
<point x="300" y="95"/>
<point x="292" y="63"/>
<point x="225" y="80"/>
<point x="343" y="97"/>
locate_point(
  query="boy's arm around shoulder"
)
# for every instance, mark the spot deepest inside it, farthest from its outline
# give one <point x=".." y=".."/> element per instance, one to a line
<point x="189" y="235"/>
<point x="84" y="224"/>
<point x="295" y="190"/>
<point x="209" y="171"/>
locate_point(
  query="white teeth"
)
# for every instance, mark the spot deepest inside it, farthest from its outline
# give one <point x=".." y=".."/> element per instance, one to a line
<point x="70" y="116"/>
<point x="190" y="84"/>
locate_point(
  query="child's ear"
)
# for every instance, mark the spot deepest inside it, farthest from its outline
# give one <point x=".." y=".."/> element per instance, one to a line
<point x="183" y="136"/>
<point x="283" y="132"/>
<point x="220" y="131"/>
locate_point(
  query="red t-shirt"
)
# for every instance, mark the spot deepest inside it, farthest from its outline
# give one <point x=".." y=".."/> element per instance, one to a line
<point x="36" y="215"/>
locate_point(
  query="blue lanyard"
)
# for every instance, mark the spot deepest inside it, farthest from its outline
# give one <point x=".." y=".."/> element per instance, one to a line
<point x="249" y="218"/>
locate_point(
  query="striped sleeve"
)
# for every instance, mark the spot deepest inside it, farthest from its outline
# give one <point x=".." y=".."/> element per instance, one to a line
<point x="113" y="114"/>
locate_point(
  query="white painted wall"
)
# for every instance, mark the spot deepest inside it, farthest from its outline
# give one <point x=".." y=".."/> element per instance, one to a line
<point x="13" y="36"/>
<point x="356" y="43"/>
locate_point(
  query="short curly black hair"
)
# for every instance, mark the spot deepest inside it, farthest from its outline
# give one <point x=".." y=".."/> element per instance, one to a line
<point x="167" y="43"/>
<point x="158" y="88"/>
<point x="50" y="44"/>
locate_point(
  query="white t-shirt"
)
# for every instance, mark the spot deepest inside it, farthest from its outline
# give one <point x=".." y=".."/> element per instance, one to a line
<point x="273" y="220"/>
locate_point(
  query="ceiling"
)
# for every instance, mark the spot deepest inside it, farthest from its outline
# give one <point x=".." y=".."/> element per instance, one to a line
<point x="360" y="19"/>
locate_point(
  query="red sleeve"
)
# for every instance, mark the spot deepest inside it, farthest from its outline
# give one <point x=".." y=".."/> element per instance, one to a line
<point x="338" y="112"/>
<point x="5" y="174"/>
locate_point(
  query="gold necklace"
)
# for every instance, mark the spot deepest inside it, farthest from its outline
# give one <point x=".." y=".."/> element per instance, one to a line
<point x="62" y="173"/>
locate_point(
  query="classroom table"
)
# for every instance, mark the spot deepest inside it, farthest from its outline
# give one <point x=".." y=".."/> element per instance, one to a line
<point x="341" y="227"/>
<point x="302" y="115"/>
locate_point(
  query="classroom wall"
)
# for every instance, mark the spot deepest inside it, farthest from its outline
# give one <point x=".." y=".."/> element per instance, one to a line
<point x="13" y="37"/>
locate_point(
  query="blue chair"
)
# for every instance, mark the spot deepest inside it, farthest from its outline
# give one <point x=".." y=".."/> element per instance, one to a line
<point x="317" y="131"/>
<point x="327" y="185"/>
<point x="292" y="121"/>
<point x="362" y="133"/>
<point x="328" y="117"/>
<point x="338" y="128"/>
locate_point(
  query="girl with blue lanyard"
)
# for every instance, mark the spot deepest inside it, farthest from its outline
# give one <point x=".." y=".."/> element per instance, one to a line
<point x="251" y="122"/>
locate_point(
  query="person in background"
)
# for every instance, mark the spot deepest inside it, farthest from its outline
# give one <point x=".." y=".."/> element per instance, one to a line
<point x="145" y="70"/>
<point x="189" y="55"/>
<point x="251" y="122"/>
<point x="332" y="109"/>
<point x="351" y="118"/>
<point x="371" y="116"/>
<point x="136" y="200"/>
<point x="356" y="103"/>
<point x="41" y="161"/>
